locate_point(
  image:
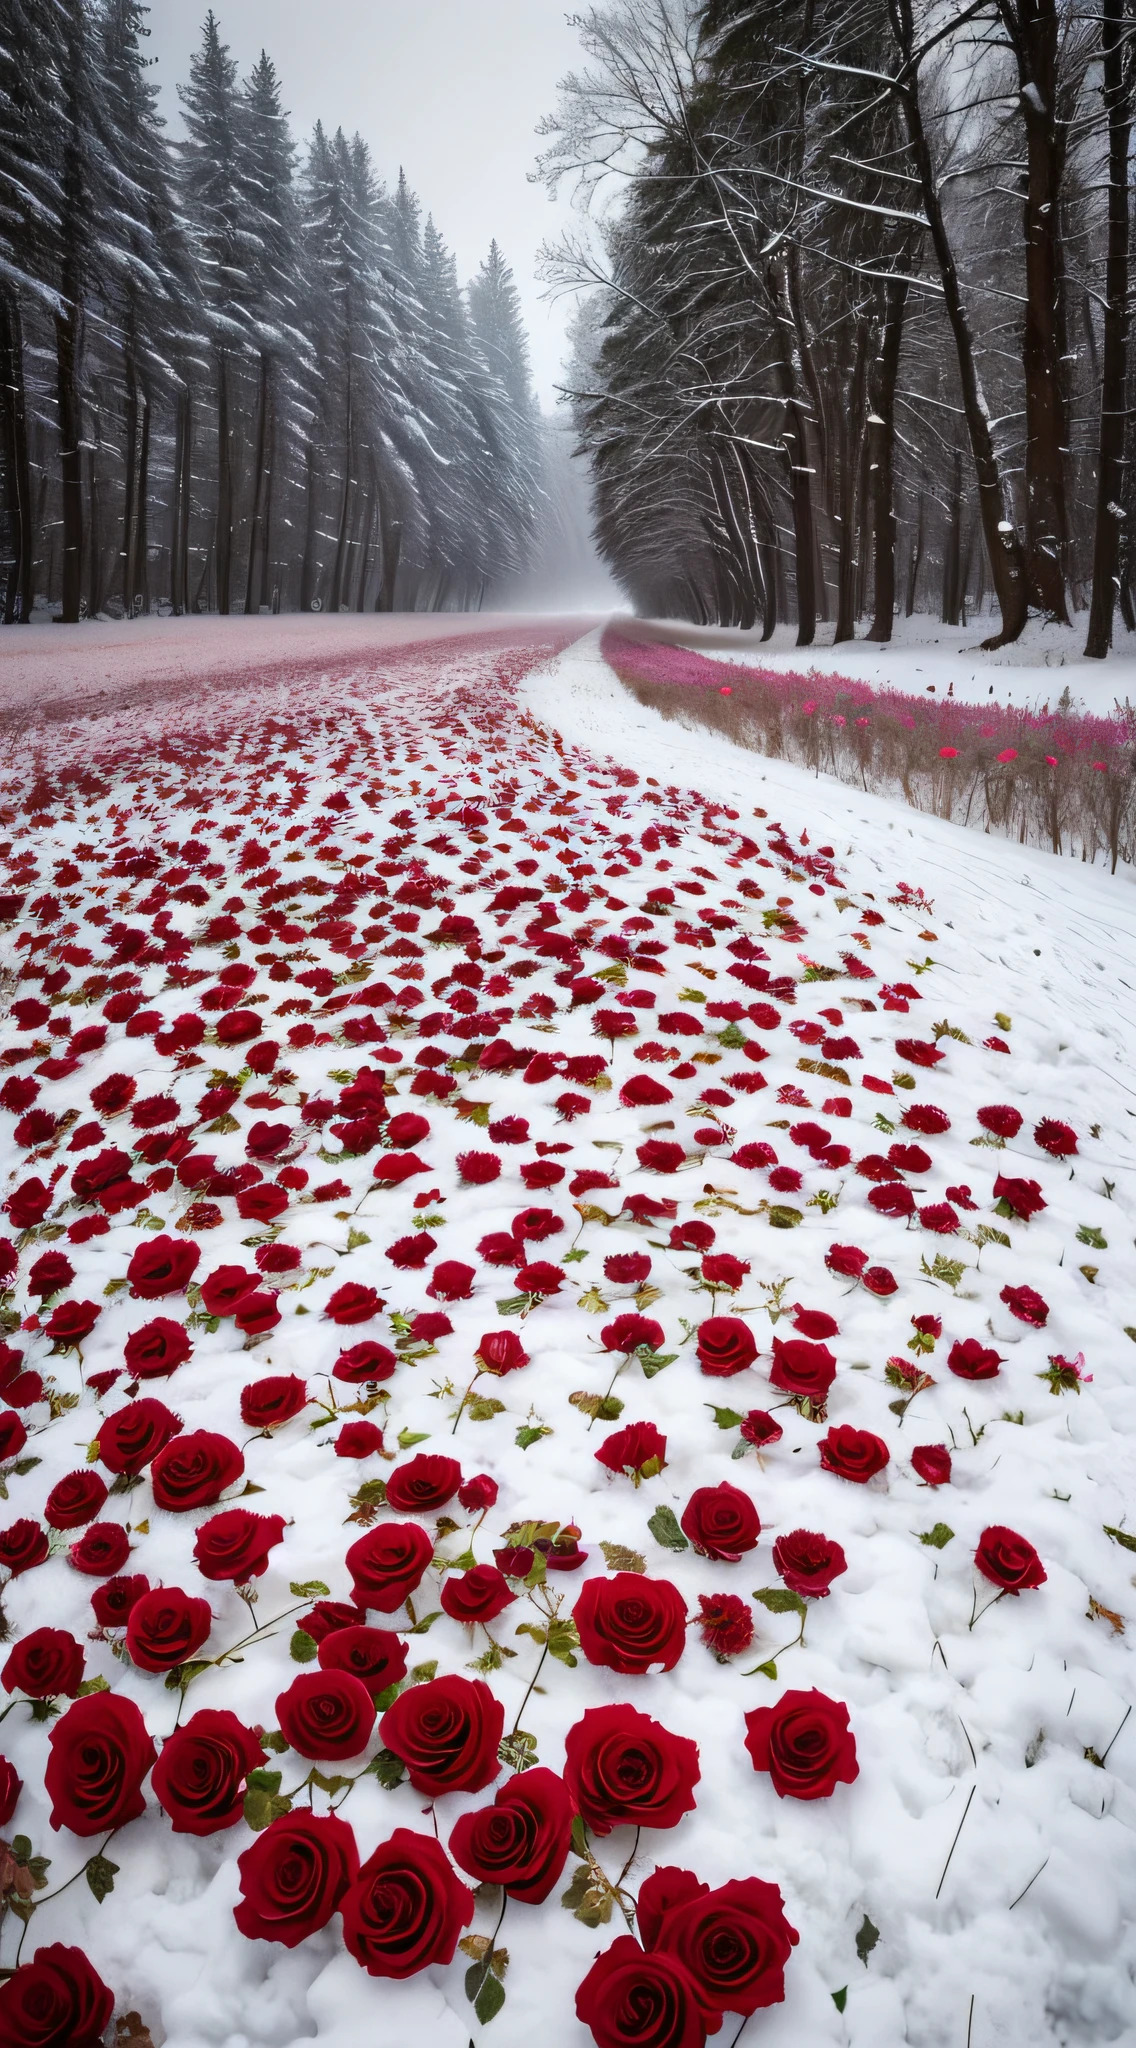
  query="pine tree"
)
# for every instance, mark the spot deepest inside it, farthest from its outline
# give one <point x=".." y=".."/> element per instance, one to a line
<point x="271" y="228"/>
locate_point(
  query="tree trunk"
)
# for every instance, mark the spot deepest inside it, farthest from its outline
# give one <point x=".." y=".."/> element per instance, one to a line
<point x="952" y="547"/>
<point x="179" y="525"/>
<point x="339" y="571"/>
<point x="885" y="376"/>
<point x="223" y="540"/>
<point x="1117" y="93"/>
<point x="852" y="441"/>
<point x="1033" y="28"/>
<point x="140" y="573"/>
<point x="258" y="487"/>
<point x="795" y="441"/>
<point x="94" y="537"/>
<point x="915" y="558"/>
<point x="1003" y="543"/>
<point x="129" y="473"/>
<point x="264" y="596"/>
<point x="70" y="459"/>
<point x="365" y="545"/>
<point x="20" y="583"/>
<point x="309" y="569"/>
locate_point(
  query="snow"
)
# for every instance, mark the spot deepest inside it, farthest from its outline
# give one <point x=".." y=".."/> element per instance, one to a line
<point x="985" y="1728"/>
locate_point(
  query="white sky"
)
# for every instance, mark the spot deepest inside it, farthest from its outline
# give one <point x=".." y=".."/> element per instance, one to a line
<point x="450" y="89"/>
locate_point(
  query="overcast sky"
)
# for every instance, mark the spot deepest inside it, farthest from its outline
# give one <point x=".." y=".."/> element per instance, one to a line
<point x="450" y="89"/>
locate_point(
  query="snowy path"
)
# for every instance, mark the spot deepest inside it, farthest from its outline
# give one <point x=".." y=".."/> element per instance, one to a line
<point x="644" y="1004"/>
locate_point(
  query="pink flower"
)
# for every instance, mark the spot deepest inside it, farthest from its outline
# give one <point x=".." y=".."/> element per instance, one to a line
<point x="948" y="753"/>
<point x="1007" y="754"/>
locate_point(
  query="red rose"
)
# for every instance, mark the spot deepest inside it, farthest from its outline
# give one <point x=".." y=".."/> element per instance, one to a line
<point x="1027" y="1305"/>
<point x="853" y="1453"/>
<point x="893" y="1199"/>
<point x="622" y="1767"/>
<point x="166" y="1627"/>
<point x="500" y="1352"/>
<point x="802" y="1369"/>
<point x="814" y="1323"/>
<point x="237" y="1026"/>
<point x="725" y="1624"/>
<point x="256" y="1313"/>
<point x="193" y="1470"/>
<point x="446" y="1733"/>
<point x="805" y="1743"/>
<point x="725" y="1346"/>
<point x="410" y="1254"/>
<point x="23" y="1545"/>
<point x="407" y="1129"/>
<point x="879" y="1280"/>
<point x="235" y="1545"/>
<point x="631" y="1999"/>
<point x="734" y="1942"/>
<point x="28" y="1204"/>
<point x="933" y="1463"/>
<point x="375" y="1656"/>
<point x="520" y="1842"/>
<point x="132" y="1436"/>
<point x="721" y="1269"/>
<point x="358" y="1440"/>
<point x="721" y="1522"/>
<point x="808" y="1562"/>
<point x="111" y="1602"/>
<point x="630" y="1623"/>
<point x="11" y="1787"/>
<point x="266" y="1404"/>
<point x="452" y="1281"/>
<point x="101" y="1550"/>
<point x="539" y="1277"/>
<point x="327" y="1617"/>
<point x="47" y="1662"/>
<point x="627" y="1269"/>
<point x="478" y="1493"/>
<point x="999" y="1118"/>
<point x="353" y="1303"/>
<point x="640" y="1450"/>
<point x="58" y="2000"/>
<point x="293" y="1877"/>
<point x="1008" y="1560"/>
<point x="424" y="1484"/>
<point x="262" y="1204"/>
<point x="387" y="1564"/>
<point x="364" y="1362"/>
<point x="405" y="1909"/>
<point x="921" y="1052"/>
<point x="760" y="1429"/>
<point x="100" y="1753"/>
<point x="476" y="1595"/>
<point x="478" y="1168"/>
<point x="157" y="1349"/>
<point x="71" y="1322"/>
<point x="326" y="1714"/>
<point x="75" y="1500"/>
<point x="1021" y="1198"/>
<point x="162" y="1265"/>
<point x="199" y="1777"/>
<point x="970" y="1360"/>
<point x="628" y="1332"/>
<point x="13" y="1435"/>
<point x="223" y="1291"/>
<point x="1054" y="1137"/>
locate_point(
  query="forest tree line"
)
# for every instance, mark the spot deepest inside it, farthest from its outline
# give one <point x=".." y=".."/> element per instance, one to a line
<point x="233" y="379"/>
<point x="854" y="332"/>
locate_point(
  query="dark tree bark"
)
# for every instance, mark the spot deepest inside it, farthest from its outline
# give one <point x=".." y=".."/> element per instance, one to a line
<point x="851" y="439"/>
<point x="94" y="537"/>
<point x="795" y="441"/>
<point x="264" y="596"/>
<point x="915" y="558"/>
<point x="140" y="575"/>
<point x="223" y="531"/>
<point x="129" y="474"/>
<point x="1117" y="92"/>
<point x="256" y="541"/>
<point x="952" y="547"/>
<point x="19" y="588"/>
<point x="885" y="376"/>
<point x="309" y="567"/>
<point x="70" y="458"/>
<point x="340" y="568"/>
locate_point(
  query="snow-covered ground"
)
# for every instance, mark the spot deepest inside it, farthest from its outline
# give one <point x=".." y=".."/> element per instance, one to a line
<point x="982" y="1843"/>
<point x="924" y="655"/>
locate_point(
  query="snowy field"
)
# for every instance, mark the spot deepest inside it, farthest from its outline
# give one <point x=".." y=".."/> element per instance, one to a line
<point x="546" y="1159"/>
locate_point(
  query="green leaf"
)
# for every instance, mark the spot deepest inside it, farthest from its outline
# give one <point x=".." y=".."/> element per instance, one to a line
<point x="491" y="1997"/>
<point x="654" y="1361"/>
<point x="585" y="1899"/>
<point x="407" y="1438"/>
<point x="732" y="1038"/>
<point x="421" y="1674"/>
<point x="866" y="1940"/>
<point x="386" y="1698"/>
<point x="355" y="1238"/>
<point x="388" y="1768"/>
<point x="579" y="1836"/>
<point x="1121" y="1536"/>
<point x="274" y="1741"/>
<point x="779" y="1600"/>
<point x="262" y="1808"/>
<point x="427" y="1621"/>
<point x="563" y="1642"/>
<point x="372" y="1493"/>
<point x="517" y="1304"/>
<point x="482" y="1408"/>
<point x="1087" y="1234"/>
<point x="620" y="1559"/>
<point x="100" y="1874"/>
<point x="726" y="1418"/>
<point x="602" y="1407"/>
<point x="530" y="1433"/>
<point x="91" y="1685"/>
<point x="783" y="1217"/>
<point x="183" y="1675"/>
<point x="261" y="1780"/>
<point x="665" y="1530"/>
<point x="24" y="1465"/>
<point x="303" y="1648"/>
<point x="309" y="1589"/>
<point x="331" y="1785"/>
<point x="938" y="1537"/>
<point x="840" y="1998"/>
<point x="518" y="1751"/>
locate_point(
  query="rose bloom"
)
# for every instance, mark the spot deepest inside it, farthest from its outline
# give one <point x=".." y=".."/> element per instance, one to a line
<point x="364" y="1362"/>
<point x="760" y="1429"/>
<point x="721" y="1269"/>
<point x="1021" y="1198"/>
<point x="166" y="1627"/>
<point x="157" y="1349"/>
<point x="376" y="1656"/>
<point x="808" y="1562"/>
<point x="735" y="1941"/>
<point x="387" y="1564"/>
<point x="633" y="1449"/>
<point x="1027" y="1305"/>
<point x="725" y="1624"/>
<point x="23" y="1545"/>
<point x="57" y="2000"/>
<point x="879" y="1280"/>
<point x="199" y="1777"/>
<point x="805" y="1744"/>
<point x="627" y="1269"/>
<point x="1000" y="1119"/>
<point x="293" y="1877"/>
<point x="405" y="1908"/>
<point x="193" y="1470"/>
<point x="725" y="1346"/>
<point x="266" y="1404"/>
<point x="326" y="1715"/>
<point x="446" y="1732"/>
<point x="47" y="1662"/>
<point x="804" y="1370"/>
<point x="631" y="1623"/>
<point x="101" y="1551"/>
<point x="235" y="1545"/>
<point x="970" y="1360"/>
<point x="721" y="1522"/>
<point x="162" y="1265"/>
<point x="11" y="1787"/>
<point x="427" y="1482"/>
<point x="1054" y="1137"/>
<point x="100" y="1754"/>
<point x="452" y="1281"/>
<point x="628" y="1332"/>
<point x="500" y="1352"/>
<point x="75" y="1500"/>
<point x="933" y="1463"/>
<point x="520" y="1842"/>
<point x="1009" y="1560"/>
<point x="478" y="1493"/>
<point x="480" y="1594"/>
<point x="132" y="1436"/>
<point x="111" y="1602"/>
<point x="853" y="1453"/>
<point x="623" y="1768"/>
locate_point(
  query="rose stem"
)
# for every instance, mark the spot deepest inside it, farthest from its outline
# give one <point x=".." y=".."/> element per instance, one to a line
<point x="954" y="1844"/>
<point x="488" y="1963"/>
